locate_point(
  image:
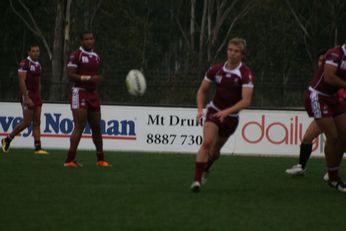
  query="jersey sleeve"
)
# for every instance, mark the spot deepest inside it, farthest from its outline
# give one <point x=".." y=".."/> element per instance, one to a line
<point x="73" y="60"/>
<point x="209" y="76"/>
<point x="23" y="66"/>
<point x="247" y="77"/>
<point x="212" y="72"/>
<point x="333" y="57"/>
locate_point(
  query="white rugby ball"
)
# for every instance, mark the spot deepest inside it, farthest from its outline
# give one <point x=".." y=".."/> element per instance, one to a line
<point x="135" y="83"/>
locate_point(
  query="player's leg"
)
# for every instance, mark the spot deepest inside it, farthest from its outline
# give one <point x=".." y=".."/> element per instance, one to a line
<point x="333" y="149"/>
<point x="214" y="154"/>
<point x="340" y="121"/>
<point x="226" y="129"/>
<point x="27" y="119"/>
<point x="210" y="131"/>
<point x="311" y="133"/>
<point x="79" y="119"/>
<point x="94" y="119"/>
<point x="215" y="149"/>
<point x="36" y="131"/>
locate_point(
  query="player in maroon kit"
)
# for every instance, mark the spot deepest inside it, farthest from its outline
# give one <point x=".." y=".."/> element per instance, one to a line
<point x="83" y="70"/>
<point x="29" y="76"/>
<point x="234" y="89"/>
<point x="322" y="102"/>
<point x="311" y="133"/>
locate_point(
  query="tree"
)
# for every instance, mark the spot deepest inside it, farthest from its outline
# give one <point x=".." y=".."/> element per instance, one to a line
<point x="217" y="20"/>
<point x="311" y="18"/>
<point x="60" y="47"/>
<point x="31" y="24"/>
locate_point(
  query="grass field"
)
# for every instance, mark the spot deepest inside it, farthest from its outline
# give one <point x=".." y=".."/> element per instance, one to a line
<point x="151" y="192"/>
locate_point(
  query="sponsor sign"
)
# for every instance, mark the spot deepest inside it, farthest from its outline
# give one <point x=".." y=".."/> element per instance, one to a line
<point x="164" y="129"/>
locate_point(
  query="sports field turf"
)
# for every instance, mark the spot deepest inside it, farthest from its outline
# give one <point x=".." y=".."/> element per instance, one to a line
<point x="151" y="192"/>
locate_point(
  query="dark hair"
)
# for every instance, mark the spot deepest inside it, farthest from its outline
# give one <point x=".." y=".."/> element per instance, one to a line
<point x="322" y="52"/>
<point x="84" y="33"/>
<point x="33" y="45"/>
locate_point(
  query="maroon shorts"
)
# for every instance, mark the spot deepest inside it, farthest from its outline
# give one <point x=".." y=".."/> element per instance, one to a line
<point x="322" y="106"/>
<point x="227" y="127"/>
<point x="35" y="97"/>
<point x="80" y="98"/>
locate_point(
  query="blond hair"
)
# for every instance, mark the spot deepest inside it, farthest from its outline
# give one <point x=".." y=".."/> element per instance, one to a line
<point x="239" y="42"/>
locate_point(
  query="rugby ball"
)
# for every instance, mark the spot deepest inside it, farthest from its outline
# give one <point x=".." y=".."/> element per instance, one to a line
<point x="135" y="83"/>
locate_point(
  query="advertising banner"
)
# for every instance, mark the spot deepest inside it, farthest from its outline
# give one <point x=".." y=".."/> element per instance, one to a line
<point x="164" y="129"/>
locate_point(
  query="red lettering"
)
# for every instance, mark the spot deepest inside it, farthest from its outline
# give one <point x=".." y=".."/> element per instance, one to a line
<point x="290" y="133"/>
<point x="296" y="130"/>
<point x="260" y="126"/>
<point x="284" y="139"/>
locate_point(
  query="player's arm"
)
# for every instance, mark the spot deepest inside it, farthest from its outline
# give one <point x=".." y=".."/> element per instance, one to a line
<point x="332" y="78"/>
<point x="201" y="93"/>
<point x="23" y="89"/>
<point x="72" y="74"/>
<point x="241" y="104"/>
<point x="244" y="102"/>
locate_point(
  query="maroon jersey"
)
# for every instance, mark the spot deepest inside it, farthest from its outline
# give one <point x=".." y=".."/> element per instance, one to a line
<point x="336" y="57"/>
<point x="33" y="73"/>
<point x="86" y="63"/>
<point x="229" y="84"/>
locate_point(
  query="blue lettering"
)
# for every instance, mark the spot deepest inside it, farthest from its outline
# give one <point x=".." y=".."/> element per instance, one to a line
<point x="29" y="130"/>
<point x="128" y="127"/>
<point x="16" y="121"/>
<point x="66" y="126"/>
<point x="50" y="122"/>
<point x="54" y="124"/>
<point x="87" y="129"/>
<point x="6" y="125"/>
<point x="113" y="128"/>
<point x="103" y="126"/>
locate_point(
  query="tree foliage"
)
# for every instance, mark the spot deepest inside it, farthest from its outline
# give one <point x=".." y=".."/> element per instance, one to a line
<point x="173" y="43"/>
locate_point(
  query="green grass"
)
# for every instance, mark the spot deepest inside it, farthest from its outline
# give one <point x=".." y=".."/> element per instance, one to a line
<point x="151" y="192"/>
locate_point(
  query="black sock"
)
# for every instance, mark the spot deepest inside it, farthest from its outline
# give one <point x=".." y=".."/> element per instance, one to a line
<point x="305" y="152"/>
<point x="37" y="145"/>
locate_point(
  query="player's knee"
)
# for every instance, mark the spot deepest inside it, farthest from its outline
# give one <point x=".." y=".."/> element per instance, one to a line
<point x="307" y="139"/>
<point x="26" y="123"/>
<point x="207" y="143"/>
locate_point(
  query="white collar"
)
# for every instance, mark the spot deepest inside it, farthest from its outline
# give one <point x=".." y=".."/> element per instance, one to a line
<point x="87" y="52"/>
<point x="30" y="59"/>
<point x="343" y="47"/>
<point x="231" y="70"/>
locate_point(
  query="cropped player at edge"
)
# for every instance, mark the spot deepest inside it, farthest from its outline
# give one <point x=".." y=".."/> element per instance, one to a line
<point x="312" y="132"/>
<point x="29" y="77"/>
<point x="322" y="103"/>
<point x="83" y="70"/>
<point x="234" y="89"/>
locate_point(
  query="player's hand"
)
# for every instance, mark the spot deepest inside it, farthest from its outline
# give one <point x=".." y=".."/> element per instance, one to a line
<point x="28" y="102"/>
<point x="199" y="116"/>
<point x="95" y="78"/>
<point x="221" y="115"/>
